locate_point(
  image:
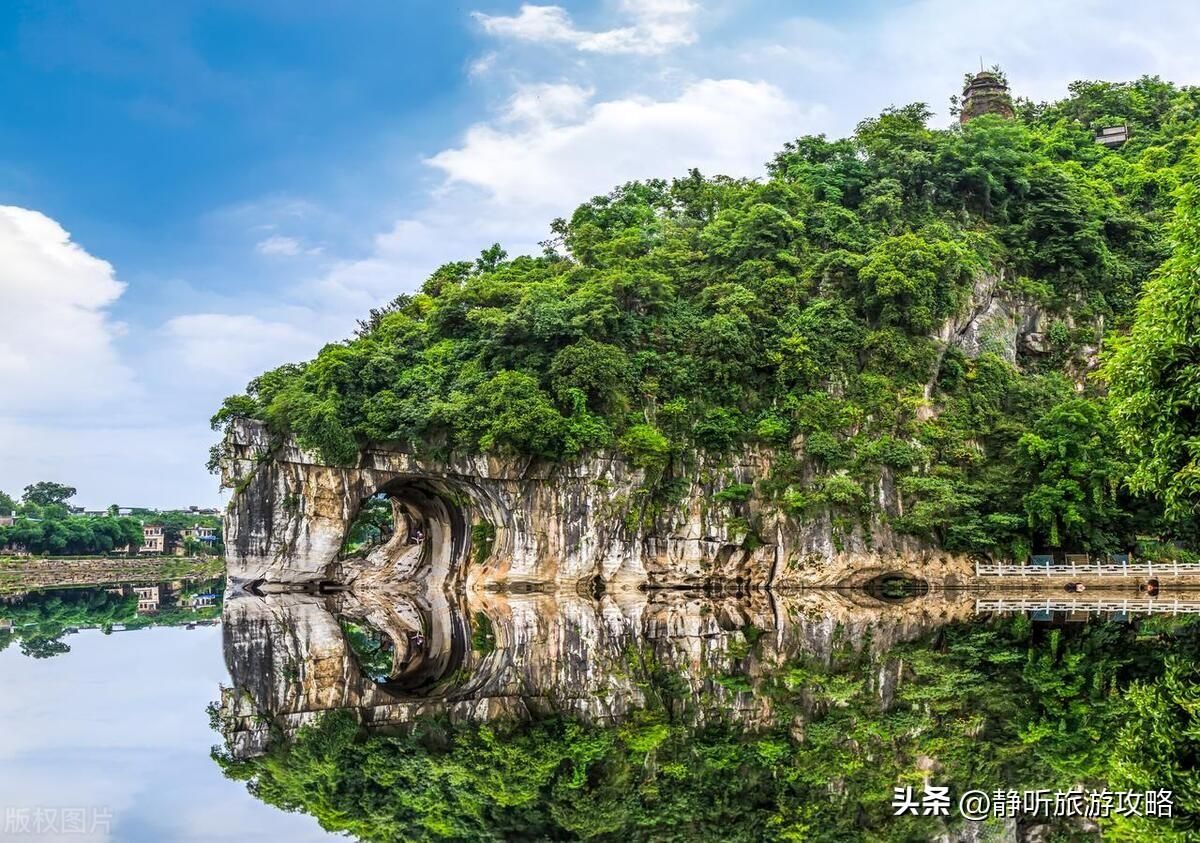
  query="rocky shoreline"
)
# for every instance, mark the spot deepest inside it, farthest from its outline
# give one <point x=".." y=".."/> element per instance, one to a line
<point x="30" y="573"/>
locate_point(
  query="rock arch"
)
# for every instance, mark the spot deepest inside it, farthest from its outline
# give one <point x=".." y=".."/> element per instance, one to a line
<point x="524" y="521"/>
<point x="427" y="636"/>
<point x="432" y="538"/>
<point x="489" y="519"/>
<point x="290" y="513"/>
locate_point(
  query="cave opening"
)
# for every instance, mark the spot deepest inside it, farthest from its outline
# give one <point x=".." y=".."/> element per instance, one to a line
<point x="406" y="645"/>
<point x="375" y="525"/>
<point x="411" y="529"/>
<point x="404" y="560"/>
<point x="896" y="587"/>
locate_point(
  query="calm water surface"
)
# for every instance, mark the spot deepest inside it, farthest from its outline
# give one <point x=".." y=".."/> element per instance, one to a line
<point x="396" y="715"/>
<point x="116" y="730"/>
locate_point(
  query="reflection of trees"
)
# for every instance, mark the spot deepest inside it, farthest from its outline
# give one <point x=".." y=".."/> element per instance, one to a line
<point x="1158" y="745"/>
<point x="991" y="705"/>
<point x="39" y="647"/>
<point x="41" y="618"/>
<point x="372" y="648"/>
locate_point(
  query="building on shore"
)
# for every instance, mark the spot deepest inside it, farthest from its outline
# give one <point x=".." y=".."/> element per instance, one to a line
<point x="149" y="598"/>
<point x="154" y="539"/>
<point x="201" y="533"/>
<point x="204" y="510"/>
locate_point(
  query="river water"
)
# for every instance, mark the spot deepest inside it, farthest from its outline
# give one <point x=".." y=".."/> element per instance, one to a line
<point x="105" y="736"/>
<point x="632" y="716"/>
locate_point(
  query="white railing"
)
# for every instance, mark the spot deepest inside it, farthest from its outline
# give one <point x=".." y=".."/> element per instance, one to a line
<point x="1087" y="569"/>
<point x="1130" y="606"/>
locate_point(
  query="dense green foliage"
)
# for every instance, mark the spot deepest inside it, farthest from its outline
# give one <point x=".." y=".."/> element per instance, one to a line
<point x="373" y="650"/>
<point x="46" y="493"/>
<point x="1155" y="374"/>
<point x="998" y="705"/>
<point x="810" y="308"/>
<point x="41" y="620"/>
<point x="45" y="524"/>
<point x="72" y="535"/>
<point x="374" y="524"/>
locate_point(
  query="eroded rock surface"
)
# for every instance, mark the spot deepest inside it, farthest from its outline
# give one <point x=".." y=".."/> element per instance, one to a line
<point x="489" y="520"/>
<point x="503" y="655"/>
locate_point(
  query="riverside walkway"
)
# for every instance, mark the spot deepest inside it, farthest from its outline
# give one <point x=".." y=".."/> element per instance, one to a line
<point x="18" y="574"/>
<point x="1114" y="605"/>
<point x="1083" y="567"/>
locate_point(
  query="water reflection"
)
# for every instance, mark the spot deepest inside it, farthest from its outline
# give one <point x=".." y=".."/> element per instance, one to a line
<point x="41" y="621"/>
<point x="490" y="655"/>
<point x="1117" y="607"/>
<point x="108" y="740"/>
<point x="687" y="715"/>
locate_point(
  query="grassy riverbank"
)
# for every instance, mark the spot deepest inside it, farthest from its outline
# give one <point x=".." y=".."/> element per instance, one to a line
<point x="26" y="573"/>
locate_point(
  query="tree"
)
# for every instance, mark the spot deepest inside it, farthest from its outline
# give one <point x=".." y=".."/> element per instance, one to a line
<point x="7" y="505"/>
<point x="718" y="311"/>
<point x="1073" y="470"/>
<point x="518" y="417"/>
<point x="598" y="370"/>
<point x="1158" y="746"/>
<point x="1154" y="374"/>
<point x="916" y="280"/>
<point x="46" y="493"/>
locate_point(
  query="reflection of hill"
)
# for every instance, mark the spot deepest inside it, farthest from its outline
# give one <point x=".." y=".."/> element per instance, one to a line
<point x="685" y="716"/>
<point x="499" y="655"/>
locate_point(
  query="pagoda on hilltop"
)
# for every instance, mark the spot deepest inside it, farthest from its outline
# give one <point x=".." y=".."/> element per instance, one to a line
<point x="986" y="92"/>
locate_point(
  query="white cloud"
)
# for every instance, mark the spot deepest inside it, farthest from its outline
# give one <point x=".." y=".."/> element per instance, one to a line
<point x="548" y="149"/>
<point x="278" y="245"/>
<point x="547" y="103"/>
<point x="232" y="348"/>
<point x="657" y="26"/>
<point x="481" y="65"/>
<point x="727" y="126"/>
<point x="533" y="23"/>
<point x="56" y="337"/>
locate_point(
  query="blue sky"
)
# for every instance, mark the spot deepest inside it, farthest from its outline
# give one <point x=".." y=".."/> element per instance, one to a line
<point x="192" y="192"/>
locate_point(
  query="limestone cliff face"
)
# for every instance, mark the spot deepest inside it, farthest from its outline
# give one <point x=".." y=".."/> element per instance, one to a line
<point x="594" y="517"/>
<point x="1005" y="322"/>
<point x="540" y="522"/>
<point x="540" y="653"/>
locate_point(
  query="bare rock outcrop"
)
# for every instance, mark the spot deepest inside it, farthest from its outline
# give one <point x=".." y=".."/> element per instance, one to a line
<point x="488" y="520"/>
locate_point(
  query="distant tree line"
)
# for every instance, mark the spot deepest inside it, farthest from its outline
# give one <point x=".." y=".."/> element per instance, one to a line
<point x="43" y="523"/>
